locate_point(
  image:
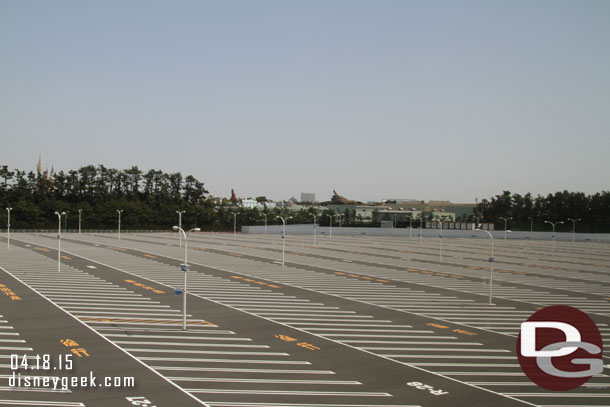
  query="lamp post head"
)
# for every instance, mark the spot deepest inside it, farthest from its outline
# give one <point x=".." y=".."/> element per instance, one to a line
<point x="195" y="230"/>
<point x="175" y="228"/>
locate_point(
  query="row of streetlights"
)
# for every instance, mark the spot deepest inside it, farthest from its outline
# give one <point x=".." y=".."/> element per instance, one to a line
<point x="491" y="259"/>
<point x="8" y="210"/>
<point x="184" y="267"/>
<point x="553" y="224"/>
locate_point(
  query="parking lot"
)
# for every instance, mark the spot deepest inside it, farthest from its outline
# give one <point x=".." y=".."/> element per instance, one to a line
<point x="349" y="321"/>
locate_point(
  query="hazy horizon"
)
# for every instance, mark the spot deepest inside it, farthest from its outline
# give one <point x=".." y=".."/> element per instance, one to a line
<point x="376" y="100"/>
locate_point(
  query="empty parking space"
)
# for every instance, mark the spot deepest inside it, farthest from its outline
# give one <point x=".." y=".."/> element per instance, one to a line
<point x="349" y="321"/>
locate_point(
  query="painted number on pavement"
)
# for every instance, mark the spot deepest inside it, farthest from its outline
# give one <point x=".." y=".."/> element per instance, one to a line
<point x="140" y="401"/>
<point x="421" y="386"/>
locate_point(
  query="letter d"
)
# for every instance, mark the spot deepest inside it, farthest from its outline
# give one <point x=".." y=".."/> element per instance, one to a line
<point x="528" y="338"/>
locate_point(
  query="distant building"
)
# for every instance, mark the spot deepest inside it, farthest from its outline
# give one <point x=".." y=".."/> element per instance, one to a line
<point x="49" y="176"/>
<point x="248" y="203"/>
<point x="361" y="213"/>
<point x="377" y="213"/>
<point x="401" y="201"/>
<point x="432" y="207"/>
<point x="308" y="197"/>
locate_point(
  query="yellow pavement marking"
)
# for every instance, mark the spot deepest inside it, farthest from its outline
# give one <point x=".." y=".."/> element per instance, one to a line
<point x="144" y="286"/>
<point x="249" y="280"/>
<point x="435" y="325"/>
<point x="117" y="248"/>
<point x="9" y="293"/>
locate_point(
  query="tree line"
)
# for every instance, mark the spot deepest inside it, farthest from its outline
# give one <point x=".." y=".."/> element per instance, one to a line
<point x="149" y="200"/>
<point x="592" y="212"/>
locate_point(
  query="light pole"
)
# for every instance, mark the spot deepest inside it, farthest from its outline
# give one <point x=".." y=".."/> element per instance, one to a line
<point x="180" y="224"/>
<point x="265" y="215"/>
<point x="8" y="229"/>
<point x="59" y="240"/>
<point x="330" y="227"/>
<point x="119" y="212"/>
<point x="340" y="216"/>
<point x="314" y="229"/>
<point x="234" y="224"/>
<point x="505" y="221"/>
<point x="553" y="224"/>
<point x="574" y="227"/>
<point x="421" y="229"/>
<point x="477" y="222"/>
<point x="491" y="264"/>
<point x="410" y="227"/>
<point x="184" y="268"/>
<point x="283" y="236"/>
<point x="79" y="216"/>
<point x="395" y="223"/>
<point x="440" y="252"/>
<point x="531" y="223"/>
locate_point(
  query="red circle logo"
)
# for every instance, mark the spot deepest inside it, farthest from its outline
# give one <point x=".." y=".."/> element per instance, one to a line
<point x="560" y="348"/>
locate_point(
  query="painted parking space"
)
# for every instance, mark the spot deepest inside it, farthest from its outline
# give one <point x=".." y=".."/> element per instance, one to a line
<point x="162" y="348"/>
<point x="458" y="355"/>
<point x="49" y="358"/>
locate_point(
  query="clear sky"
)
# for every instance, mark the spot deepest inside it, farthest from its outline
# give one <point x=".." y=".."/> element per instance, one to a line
<point x="377" y="99"/>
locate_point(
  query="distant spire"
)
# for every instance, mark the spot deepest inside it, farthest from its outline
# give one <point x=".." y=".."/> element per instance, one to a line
<point x="39" y="166"/>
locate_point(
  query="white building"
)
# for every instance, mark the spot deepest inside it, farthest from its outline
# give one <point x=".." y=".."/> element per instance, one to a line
<point x="308" y="197"/>
<point x="248" y="203"/>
